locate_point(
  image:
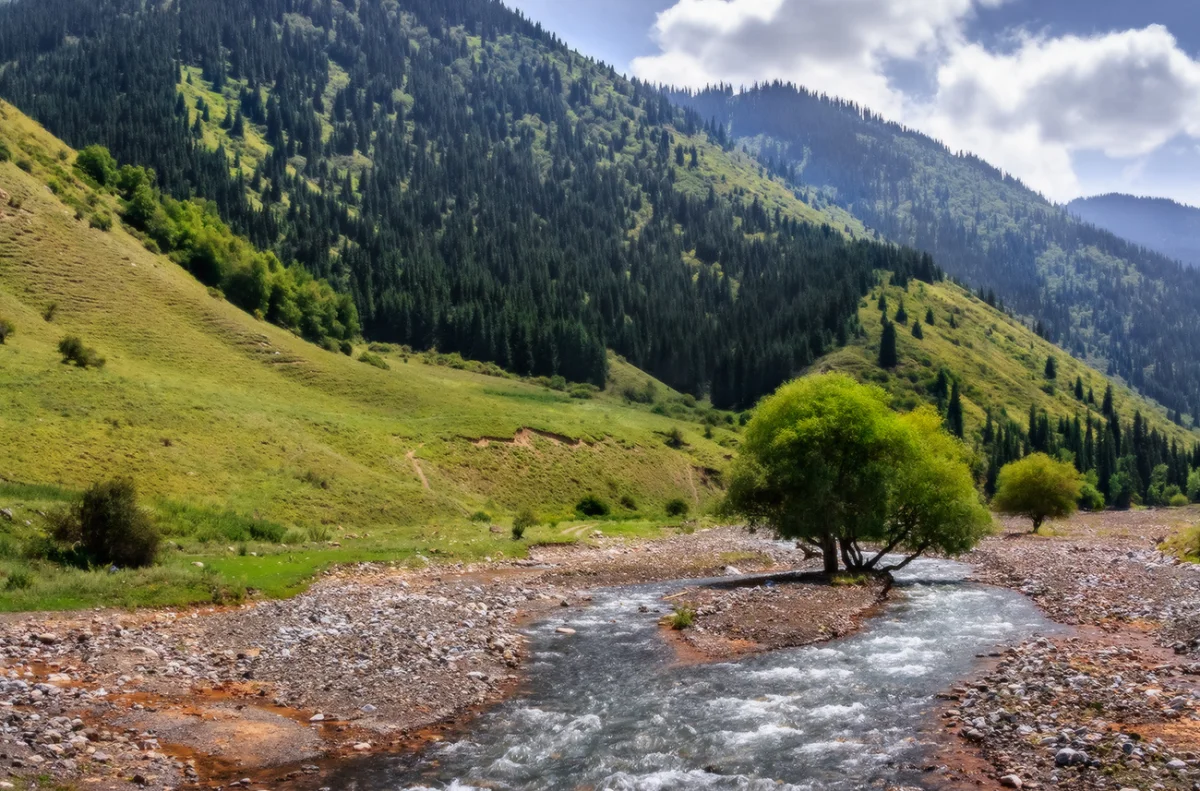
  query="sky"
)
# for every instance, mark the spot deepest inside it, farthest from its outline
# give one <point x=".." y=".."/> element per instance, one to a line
<point x="1075" y="97"/>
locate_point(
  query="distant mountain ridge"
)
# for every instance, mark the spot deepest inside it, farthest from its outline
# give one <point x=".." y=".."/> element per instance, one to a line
<point x="1158" y="224"/>
<point x="1131" y="310"/>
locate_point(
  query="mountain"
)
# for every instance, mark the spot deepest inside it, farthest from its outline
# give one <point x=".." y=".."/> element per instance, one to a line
<point x="1132" y="311"/>
<point x="1158" y="224"/>
<point x="476" y="186"/>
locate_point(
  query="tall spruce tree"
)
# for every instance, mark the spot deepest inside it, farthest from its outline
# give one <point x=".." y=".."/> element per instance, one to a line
<point x="887" y="346"/>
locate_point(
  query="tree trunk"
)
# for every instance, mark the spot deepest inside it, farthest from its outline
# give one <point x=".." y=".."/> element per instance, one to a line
<point x="829" y="553"/>
<point x="1037" y="523"/>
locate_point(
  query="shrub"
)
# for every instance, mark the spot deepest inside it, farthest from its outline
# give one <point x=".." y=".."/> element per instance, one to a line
<point x="73" y="351"/>
<point x="628" y="503"/>
<point x="97" y="164"/>
<point x="6" y="328"/>
<point x="524" y="520"/>
<point x="675" y="439"/>
<point x="109" y="528"/>
<point x="25" y="165"/>
<point x="370" y="358"/>
<point x="1090" y="498"/>
<point x="1193" y="486"/>
<point x="319" y="533"/>
<point x="18" y="579"/>
<point x="346" y="347"/>
<point x="481" y="516"/>
<point x="270" y="532"/>
<point x="50" y="311"/>
<point x="582" y="392"/>
<point x="591" y="505"/>
<point x="5" y="152"/>
<point x="1178" y="501"/>
<point x="683" y="617"/>
<point x="677" y="508"/>
<point x="101" y="221"/>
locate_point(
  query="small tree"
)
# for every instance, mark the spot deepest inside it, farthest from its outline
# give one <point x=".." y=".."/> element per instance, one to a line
<point x="917" y="332"/>
<point x="524" y="520"/>
<point x="887" y="346"/>
<point x="99" y="165"/>
<point x="954" y="413"/>
<point x="6" y="328"/>
<point x="1051" y="368"/>
<point x="901" y="314"/>
<point x="1039" y="488"/>
<point x="1193" y="486"/>
<point x="929" y="319"/>
<point x="109" y="528"/>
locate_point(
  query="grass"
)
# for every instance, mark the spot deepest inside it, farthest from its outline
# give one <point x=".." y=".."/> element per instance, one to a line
<point x="999" y="362"/>
<point x="240" y="433"/>
<point x="683" y="617"/>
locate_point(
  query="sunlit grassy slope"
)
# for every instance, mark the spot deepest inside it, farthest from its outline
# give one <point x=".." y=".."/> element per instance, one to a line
<point x="1000" y="362"/>
<point x="219" y="416"/>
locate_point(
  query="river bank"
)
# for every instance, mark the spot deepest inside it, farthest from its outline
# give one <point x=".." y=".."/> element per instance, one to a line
<point x="1113" y="702"/>
<point x="369" y="659"/>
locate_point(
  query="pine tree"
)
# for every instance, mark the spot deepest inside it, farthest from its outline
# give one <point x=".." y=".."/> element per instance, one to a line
<point x="887" y="346"/>
<point x="917" y="332"/>
<point x="929" y="319"/>
<point x="954" y="412"/>
<point x="1079" y="388"/>
<point x="901" y="314"/>
<point x="1051" y="368"/>
<point x="1107" y="408"/>
<point x="882" y="303"/>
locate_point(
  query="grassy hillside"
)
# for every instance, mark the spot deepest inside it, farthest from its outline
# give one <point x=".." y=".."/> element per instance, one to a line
<point x="999" y="361"/>
<point x="234" y="428"/>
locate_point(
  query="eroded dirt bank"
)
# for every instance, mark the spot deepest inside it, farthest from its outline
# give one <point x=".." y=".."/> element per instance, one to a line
<point x="370" y="658"/>
<point x="1114" y="701"/>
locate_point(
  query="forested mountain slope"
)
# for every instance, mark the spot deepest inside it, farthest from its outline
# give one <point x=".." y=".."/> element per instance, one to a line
<point x="1100" y="296"/>
<point x="1159" y="224"/>
<point x="475" y="185"/>
<point x="993" y="380"/>
<point x="223" y="418"/>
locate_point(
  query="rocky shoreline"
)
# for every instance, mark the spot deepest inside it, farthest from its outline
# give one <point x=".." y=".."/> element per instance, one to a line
<point x="369" y="659"/>
<point x="1111" y="703"/>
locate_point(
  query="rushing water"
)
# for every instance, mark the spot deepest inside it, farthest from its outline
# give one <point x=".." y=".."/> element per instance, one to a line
<point x="606" y="709"/>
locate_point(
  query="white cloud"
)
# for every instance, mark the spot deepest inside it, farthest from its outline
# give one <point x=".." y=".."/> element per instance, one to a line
<point x="1027" y="108"/>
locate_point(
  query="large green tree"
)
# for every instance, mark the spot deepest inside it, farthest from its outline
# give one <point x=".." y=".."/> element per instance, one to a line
<point x="826" y="462"/>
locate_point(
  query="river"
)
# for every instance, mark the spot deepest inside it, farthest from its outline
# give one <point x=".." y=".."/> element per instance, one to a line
<point x="606" y="708"/>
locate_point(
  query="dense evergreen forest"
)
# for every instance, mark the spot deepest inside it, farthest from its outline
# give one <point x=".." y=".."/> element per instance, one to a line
<point x="1097" y="295"/>
<point x="475" y="186"/>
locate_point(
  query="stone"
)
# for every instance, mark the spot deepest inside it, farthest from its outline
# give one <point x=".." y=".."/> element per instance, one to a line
<point x="565" y="630"/>
<point x="1011" y="781"/>
<point x="1176" y="765"/>
<point x="318" y="717"/>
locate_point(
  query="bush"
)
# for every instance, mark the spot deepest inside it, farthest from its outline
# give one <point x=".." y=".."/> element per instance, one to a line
<point x="1090" y="498"/>
<point x="347" y="348"/>
<point x="97" y="164"/>
<point x="675" y="439"/>
<point x="582" y="392"/>
<point x="1193" y="486"/>
<point x="628" y="503"/>
<point x="18" y="579"/>
<point x="375" y="360"/>
<point x="108" y="527"/>
<point x="101" y="220"/>
<point x="524" y="520"/>
<point x="5" y="152"/>
<point x="6" y="328"/>
<point x="591" y="505"/>
<point x="50" y="311"/>
<point x="73" y="351"/>
<point x="481" y="516"/>
<point x="1178" y="501"/>
<point x="677" y="508"/>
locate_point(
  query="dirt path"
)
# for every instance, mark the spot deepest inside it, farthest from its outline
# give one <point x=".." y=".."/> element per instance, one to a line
<point x="416" y="465"/>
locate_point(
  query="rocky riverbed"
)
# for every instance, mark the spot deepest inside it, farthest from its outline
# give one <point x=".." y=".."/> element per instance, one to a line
<point x="370" y="658"/>
<point x="1114" y="702"/>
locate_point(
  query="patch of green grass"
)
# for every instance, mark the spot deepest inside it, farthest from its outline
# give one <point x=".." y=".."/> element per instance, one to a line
<point x="683" y="617"/>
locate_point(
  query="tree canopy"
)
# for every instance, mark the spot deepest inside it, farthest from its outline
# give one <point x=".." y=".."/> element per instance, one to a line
<point x="825" y="461"/>
<point x="1039" y="488"/>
